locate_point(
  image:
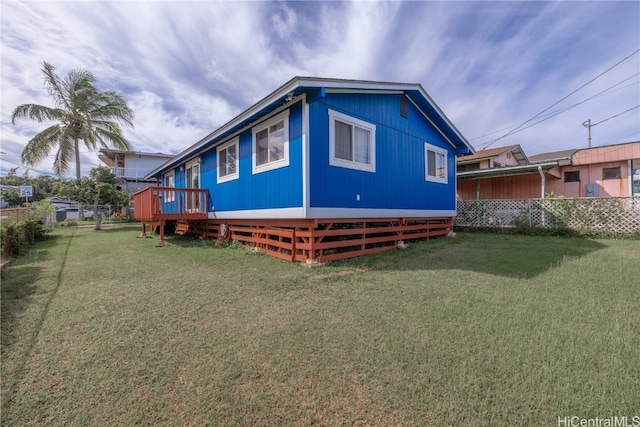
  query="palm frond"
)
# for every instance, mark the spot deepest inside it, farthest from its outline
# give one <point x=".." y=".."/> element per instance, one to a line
<point x="66" y="152"/>
<point x="56" y="87"/>
<point x="40" y="145"/>
<point x="111" y="106"/>
<point x="110" y="134"/>
<point x="62" y="161"/>
<point x="39" y="113"/>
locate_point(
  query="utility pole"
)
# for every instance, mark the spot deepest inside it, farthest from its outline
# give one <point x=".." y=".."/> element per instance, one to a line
<point x="588" y="125"/>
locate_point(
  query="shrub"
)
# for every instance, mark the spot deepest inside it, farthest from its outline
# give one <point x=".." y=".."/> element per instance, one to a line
<point x="12" y="240"/>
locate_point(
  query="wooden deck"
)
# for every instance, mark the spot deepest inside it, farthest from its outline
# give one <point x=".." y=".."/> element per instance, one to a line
<point x="319" y="240"/>
<point x="155" y="205"/>
<point x="294" y="240"/>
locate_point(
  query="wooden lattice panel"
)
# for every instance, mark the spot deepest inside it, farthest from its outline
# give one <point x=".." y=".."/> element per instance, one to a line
<point x="611" y="214"/>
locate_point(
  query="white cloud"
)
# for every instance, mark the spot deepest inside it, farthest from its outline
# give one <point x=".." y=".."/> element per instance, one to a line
<point x="188" y="67"/>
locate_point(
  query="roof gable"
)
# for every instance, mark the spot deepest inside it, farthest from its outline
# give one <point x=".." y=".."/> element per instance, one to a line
<point x="299" y="87"/>
<point x="493" y="153"/>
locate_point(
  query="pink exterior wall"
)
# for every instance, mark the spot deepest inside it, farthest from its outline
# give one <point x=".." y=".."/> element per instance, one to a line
<point x="506" y="159"/>
<point x="589" y="162"/>
<point x="612" y="153"/>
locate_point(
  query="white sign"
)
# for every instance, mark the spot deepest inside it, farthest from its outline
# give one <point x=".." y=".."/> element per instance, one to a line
<point x="26" y="191"/>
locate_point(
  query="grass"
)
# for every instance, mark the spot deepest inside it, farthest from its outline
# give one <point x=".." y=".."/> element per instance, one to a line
<point x="101" y="328"/>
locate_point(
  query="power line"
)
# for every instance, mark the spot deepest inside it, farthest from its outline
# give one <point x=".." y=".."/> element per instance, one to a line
<point x="562" y="99"/>
<point x="562" y="110"/>
<point x="619" y="114"/>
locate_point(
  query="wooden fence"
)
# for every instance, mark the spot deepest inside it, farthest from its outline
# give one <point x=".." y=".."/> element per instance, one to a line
<point x="16" y="214"/>
<point x="614" y="215"/>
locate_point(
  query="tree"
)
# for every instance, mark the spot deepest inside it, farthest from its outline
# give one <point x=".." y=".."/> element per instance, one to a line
<point x="83" y="112"/>
<point x="98" y="189"/>
<point x="43" y="188"/>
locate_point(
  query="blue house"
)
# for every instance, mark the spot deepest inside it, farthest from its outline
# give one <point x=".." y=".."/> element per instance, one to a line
<point x="320" y="169"/>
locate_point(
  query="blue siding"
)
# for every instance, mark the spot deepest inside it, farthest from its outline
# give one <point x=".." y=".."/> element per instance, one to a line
<point x="279" y="188"/>
<point x="399" y="180"/>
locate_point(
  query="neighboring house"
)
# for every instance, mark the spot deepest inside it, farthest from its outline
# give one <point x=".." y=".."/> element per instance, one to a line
<point x="62" y="203"/>
<point x="320" y="169"/>
<point x="609" y="171"/>
<point x="511" y="155"/>
<point x="131" y="167"/>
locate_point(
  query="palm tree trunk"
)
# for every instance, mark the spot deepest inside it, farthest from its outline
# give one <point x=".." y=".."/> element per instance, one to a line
<point x="76" y="147"/>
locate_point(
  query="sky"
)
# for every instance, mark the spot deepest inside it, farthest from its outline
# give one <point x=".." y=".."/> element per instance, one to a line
<point x="504" y="72"/>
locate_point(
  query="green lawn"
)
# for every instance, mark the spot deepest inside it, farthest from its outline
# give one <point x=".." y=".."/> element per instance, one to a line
<point x="103" y="328"/>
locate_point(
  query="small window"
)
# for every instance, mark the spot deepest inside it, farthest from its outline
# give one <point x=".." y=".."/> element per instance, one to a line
<point x="611" y="173"/>
<point x="169" y="181"/>
<point x="228" y="161"/>
<point x="404" y="107"/>
<point x="352" y="143"/>
<point x="271" y="143"/>
<point x="435" y="160"/>
<point x="572" y="176"/>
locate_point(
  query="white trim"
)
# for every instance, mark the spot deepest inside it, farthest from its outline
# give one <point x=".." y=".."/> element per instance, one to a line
<point x="170" y="196"/>
<point x="437" y="150"/>
<point x="305" y="156"/>
<point x="318" y="213"/>
<point x="187" y="166"/>
<point x="430" y="121"/>
<point x="351" y="164"/>
<point x="366" y="91"/>
<point x="288" y="213"/>
<point x="377" y="213"/>
<point x="230" y="177"/>
<point x="284" y="117"/>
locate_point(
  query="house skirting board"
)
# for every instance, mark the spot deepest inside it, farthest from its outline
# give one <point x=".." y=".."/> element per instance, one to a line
<point x="321" y="240"/>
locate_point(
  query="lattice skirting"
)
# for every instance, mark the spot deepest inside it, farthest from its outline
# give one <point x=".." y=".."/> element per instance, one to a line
<point x="612" y="214"/>
<point x="321" y="240"/>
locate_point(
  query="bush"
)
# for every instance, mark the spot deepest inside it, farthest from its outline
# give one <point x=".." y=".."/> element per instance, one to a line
<point x="12" y="240"/>
<point x="15" y="236"/>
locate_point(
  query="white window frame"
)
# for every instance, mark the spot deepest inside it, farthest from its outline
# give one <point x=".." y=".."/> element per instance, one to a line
<point x="353" y="122"/>
<point x="437" y="151"/>
<point x="228" y="177"/>
<point x="276" y="164"/>
<point x="170" y="196"/>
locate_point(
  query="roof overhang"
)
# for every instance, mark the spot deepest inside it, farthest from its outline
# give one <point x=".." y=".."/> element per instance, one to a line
<point x="509" y="171"/>
<point x="299" y="87"/>
<point x="478" y="156"/>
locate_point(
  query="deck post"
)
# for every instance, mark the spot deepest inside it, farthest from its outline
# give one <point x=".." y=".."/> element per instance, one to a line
<point x="161" y="241"/>
<point x="144" y="230"/>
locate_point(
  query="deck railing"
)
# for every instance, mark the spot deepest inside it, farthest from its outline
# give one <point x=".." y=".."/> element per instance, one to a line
<point x="130" y="172"/>
<point x="161" y="203"/>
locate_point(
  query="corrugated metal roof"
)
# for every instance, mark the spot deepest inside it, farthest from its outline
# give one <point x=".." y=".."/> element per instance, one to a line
<point x="506" y="171"/>
<point x="555" y="155"/>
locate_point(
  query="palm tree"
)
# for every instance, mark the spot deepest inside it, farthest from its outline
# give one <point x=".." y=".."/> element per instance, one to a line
<point x="83" y="113"/>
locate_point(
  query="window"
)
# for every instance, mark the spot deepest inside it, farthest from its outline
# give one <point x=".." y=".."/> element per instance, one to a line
<point x="352" y="143"/>
<point x="192" y="180"/>
<point x="169" y="181"/>
<point x="611" y="173"/>
<point x="228" y="161"/>
<point x="271" y="143"/>
<point x="572" y="176"/>
<point x="469" y="167"/>
<point x="435" y="160"/>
